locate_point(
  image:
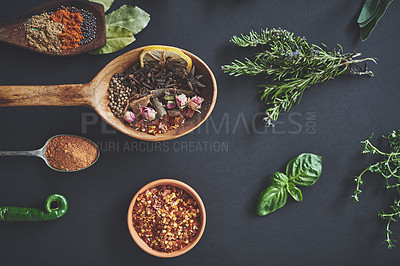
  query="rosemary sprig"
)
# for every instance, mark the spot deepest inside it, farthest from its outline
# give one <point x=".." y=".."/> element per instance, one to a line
<point x="389" y="168"/>
<point x="291" y="65"/>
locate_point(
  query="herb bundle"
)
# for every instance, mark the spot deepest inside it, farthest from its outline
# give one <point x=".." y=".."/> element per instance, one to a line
<point x="291" y="65"/>
<point x="389" y="169"/>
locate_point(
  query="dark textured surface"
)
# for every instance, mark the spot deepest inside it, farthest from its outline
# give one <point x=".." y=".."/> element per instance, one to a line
<point x="327" y="228"/>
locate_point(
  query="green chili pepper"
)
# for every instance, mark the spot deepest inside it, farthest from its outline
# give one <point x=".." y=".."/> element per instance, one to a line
<point x="21" y="214"/>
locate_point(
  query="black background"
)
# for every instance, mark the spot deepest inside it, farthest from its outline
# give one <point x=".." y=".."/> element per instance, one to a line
<point x="327" y="228"/>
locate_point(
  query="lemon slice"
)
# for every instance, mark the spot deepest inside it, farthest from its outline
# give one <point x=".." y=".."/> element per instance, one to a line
<point x="160" y="53"/>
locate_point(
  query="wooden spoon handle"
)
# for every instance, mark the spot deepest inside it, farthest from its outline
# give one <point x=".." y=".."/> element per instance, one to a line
<point x="13" y="33"/>
<point x="49" y="95"/>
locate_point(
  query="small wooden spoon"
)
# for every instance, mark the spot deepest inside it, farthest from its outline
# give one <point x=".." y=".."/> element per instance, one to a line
<point x="13" y="32"/>
<point x="95" y="95"/>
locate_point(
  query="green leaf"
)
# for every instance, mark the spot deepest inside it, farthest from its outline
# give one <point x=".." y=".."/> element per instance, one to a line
<point x="368" y="11"/>
<point x="367" y="29"/>
<point x="294" y="191"/>
<point x="132" y="18"/>
<point x="117" y="38"/>
<point x="106" y="3"/>
<point x="279" y="179"/>
<point x="305" y="169"/>
<point x="271" y="199"/>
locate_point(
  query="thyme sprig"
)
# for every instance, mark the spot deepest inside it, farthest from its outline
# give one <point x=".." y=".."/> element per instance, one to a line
<point x="291" y="65"/>
<point x="389" y="168"/>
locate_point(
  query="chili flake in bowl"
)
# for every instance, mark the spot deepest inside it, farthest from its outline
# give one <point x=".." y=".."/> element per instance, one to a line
<point x="166" y="218"/>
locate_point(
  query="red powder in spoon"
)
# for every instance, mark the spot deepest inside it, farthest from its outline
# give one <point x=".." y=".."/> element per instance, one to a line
<point x="68" y="153"/>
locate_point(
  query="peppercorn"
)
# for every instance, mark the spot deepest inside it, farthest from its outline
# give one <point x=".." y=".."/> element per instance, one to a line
<point x="119" y="95"/>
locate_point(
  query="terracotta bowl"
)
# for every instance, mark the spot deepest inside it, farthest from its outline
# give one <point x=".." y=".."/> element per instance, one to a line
<point x="192" y="193"/>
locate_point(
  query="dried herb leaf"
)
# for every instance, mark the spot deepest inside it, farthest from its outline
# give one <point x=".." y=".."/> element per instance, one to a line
<point x="368" y="11"/>
<point x="132" y="18"/>
<point x="106" y="3"/>
<point x="117" y="38"/>
<point x="367" y="29"/>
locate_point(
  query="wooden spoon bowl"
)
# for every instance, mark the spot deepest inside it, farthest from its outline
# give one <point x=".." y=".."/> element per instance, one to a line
<point x="13" y="32"/>
<point x="95" y="95"/>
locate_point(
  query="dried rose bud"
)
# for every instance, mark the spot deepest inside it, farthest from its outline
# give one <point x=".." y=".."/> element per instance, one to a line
<point x="129" y="117"/>
<point x="171" y="105"/>
<point x="181" y="100"/>
<point x="148" y="113"/>
<point x="195" y="103"/>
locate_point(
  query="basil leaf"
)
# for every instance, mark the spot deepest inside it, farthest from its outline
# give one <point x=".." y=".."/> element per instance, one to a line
<point x="294" y="191"/>
<point x="368" y="11"/>
<point x="305" y="169"/>
<point x="367" y="29"/>
<point x="271" y="199"/>
<point x="132" y="18"/>
<point x="117" y="38"/>
<point x="279" y="179"/>
<point x="106" y="3"/>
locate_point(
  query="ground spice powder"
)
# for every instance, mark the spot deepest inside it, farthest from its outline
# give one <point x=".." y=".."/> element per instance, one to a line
<point x="70" y="153"/>
<point x="72" y="33"/>
<point x="42" y="33"/>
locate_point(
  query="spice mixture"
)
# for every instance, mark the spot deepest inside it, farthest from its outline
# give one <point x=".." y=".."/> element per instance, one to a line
<point x="166" y="217"/>
<point x="65" y="28"/>
<point x="155" y="98"/>
<point x="42" y="33"/>
<point x="70" y="153"/>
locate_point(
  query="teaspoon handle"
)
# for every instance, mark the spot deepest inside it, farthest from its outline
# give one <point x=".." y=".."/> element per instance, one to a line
<point x="36" y="153"/>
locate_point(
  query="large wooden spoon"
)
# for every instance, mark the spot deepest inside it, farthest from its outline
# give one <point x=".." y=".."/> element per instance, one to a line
<point x="95" y="95"/>
<point x="13" y="32"/>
